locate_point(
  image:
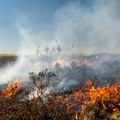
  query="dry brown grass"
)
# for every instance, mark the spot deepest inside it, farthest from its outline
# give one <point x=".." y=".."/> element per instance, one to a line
<point x="14" y="109"/>
<point x="8" y="55"/>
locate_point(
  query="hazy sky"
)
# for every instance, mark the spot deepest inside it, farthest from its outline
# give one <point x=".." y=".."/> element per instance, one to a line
<point x="91" y="25"/>
<point x="36" y="14"/>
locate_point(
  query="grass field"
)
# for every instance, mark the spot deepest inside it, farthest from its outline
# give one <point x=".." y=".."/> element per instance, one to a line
<point x="6" y="54"/>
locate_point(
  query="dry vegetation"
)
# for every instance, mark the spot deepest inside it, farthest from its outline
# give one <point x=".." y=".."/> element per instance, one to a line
<point x="31" y="110"/>
<point x="77" y="105"/>
<point x="13" y="109"/>
<point x="4" y="55"/>
<point x="88" y="102"/>
<point x="6" y="59"/>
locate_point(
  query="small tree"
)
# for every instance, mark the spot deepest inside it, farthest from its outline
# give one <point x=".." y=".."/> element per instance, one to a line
<point x="41" y="81"/>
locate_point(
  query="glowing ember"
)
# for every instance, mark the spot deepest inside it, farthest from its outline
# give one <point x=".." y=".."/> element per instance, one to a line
<point x="61" y="62"/>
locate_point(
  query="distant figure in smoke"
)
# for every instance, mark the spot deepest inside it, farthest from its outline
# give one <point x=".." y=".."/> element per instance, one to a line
<point x="59" y="49"/>
<point x="38" y="50"/>
<point x="46" y="50"/>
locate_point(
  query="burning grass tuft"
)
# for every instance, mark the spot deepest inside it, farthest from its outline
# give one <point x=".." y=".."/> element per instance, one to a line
<point x="14" y="109"/>
<point x="86" y="103"/>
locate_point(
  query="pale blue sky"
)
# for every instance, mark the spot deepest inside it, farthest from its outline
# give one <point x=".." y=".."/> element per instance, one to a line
<point x="39" y="12"/>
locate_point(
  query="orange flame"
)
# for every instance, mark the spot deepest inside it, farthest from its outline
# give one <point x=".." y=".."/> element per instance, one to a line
<point x="11" y="90"/>
<point x="89" y="94"/>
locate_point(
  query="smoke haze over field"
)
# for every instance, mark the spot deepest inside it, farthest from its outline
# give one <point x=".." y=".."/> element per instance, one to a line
<point x="90" y="28"/>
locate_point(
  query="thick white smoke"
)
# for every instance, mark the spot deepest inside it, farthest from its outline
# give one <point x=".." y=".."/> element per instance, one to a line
<point x="91" y="29"/>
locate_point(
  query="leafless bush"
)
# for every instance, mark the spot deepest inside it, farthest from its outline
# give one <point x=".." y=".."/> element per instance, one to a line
<point x="41" y="81"/>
